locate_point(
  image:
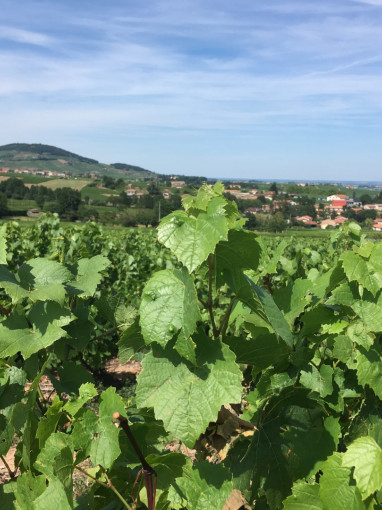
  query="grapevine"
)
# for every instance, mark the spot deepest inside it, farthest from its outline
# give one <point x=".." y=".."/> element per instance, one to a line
<point x="261" y="365"/>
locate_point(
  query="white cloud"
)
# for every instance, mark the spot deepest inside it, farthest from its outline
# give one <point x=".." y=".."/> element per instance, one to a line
<point x="24" y="36"/>
<point x="377" y="3"/>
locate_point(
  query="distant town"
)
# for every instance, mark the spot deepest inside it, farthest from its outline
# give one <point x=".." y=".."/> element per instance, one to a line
<point x="145" y="198"/>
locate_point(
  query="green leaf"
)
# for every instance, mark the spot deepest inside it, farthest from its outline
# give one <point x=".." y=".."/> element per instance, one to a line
<point x="55" y="460"/>
<point x="88" y="275"/>
<point x="370" y="314"/>
<point x="346" y="294"/>
<point x="192" y="238"/>
<point x="293" y="298"/>
<point x="315" y="319"/>
<point x="11" y="285"/>
<point x="205" y="486"/>
<point x="3" y="244"/>
<point x="274" y="315"/>
<point x="240" y="284"/>
<point x="366" y="457"/>
<point x="184" y="397"/>
<point x="130" y="343"/>
<point x="375" y="261"/>
<point x="48" y="423"/>
<point x="343" y="348"/>
<point x="71" y="377"/>
<point x="45" y="279"/>
<point x="168" y="466"/>
<point x="53" y="497"/>
<point x="358" y="333"/>
<point x="28" y="489"/>
<point x="311" y="440"/>
<point x="271" y="266"/>
<point x="47" y="320"/>
<point x="305" y="497"/>
<point x="356" y="269"/>
<point x="261" y="351"/>
<point x="204" y="196"/>
<point x="242" y="250"/>
<point x="319" y="381"/>
<point x="105" y="448"/>
<point x="87" y="392"/>
<point x="84" y="429"/>
<point x="169" y="305"/>
<point x="369" y="369"/>
<point x="336" y="490"/>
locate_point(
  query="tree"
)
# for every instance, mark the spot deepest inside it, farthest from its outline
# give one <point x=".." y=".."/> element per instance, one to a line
<point x="68" y="200"/>
<point x="3" y="204"/>
<point x="14" y="188"/>
<point x="277" y="223"/>
<point x="153" y="189"/>
<point x="365" y="199"/>
<point x="368" y="223"/>
<point x="274" y="188"/>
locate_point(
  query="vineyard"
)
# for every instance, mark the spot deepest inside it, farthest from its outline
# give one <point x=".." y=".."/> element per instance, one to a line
<point x="259" y="362"/>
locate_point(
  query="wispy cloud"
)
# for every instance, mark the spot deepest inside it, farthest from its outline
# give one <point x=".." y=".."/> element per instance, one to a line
<point x="218" y="67"/>
<point x="24" y="36"/>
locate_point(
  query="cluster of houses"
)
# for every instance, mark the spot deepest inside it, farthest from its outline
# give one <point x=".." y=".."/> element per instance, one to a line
<point x="28" y="171"/>
<point x="138" y="192"/>
<point x="333" y="205"/>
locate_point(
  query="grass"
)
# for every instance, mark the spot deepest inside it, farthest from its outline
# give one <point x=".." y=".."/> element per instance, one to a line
<point x="308" y="233"/>
<point x="34" y="179"/>
<point x="21" y="205"/>
<point x="95" y="193"/>
<point x="76" y="184"/>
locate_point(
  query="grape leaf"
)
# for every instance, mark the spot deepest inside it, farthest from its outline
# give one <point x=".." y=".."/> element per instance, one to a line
<point x="47" y="320"/>
<point x="293" y="298"/>
<point x="53" y="497"/>
<point x="336" y="492"/>
<point x="370" y="314"/>
<point x="241" y="250"/>
<point x="3" y="244"/>
<point x="320" y="381"/>
<point x="169" y="304"/>
<point x="369" y="369"/>
<point x="192" y="238"/>
<point x="86" y="392"/>
<point x="28" y="489"/>
<point x="11" y="285"/>
<point x="105" y="448"/>
<point x="88" y="275"/>
<point x="205" y="486"/>
<point x="356" y="269"/>
<point x="184" y="397"/>
<point x="366" y="457"/>
<point x="274" y="315"/>
<point x="304" y="497"/>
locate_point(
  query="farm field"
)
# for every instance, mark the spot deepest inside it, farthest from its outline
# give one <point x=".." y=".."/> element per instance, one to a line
<point x="250" y="364"/>
<point x="76" y="184"/>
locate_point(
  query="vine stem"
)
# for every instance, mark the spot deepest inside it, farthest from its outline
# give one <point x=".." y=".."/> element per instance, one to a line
<point x="209" y="302"/>
<point x="148" y="471"/>
<point x="10" y="472"/>
<point x="108" y="485"/>
<point x="224" y="324"/>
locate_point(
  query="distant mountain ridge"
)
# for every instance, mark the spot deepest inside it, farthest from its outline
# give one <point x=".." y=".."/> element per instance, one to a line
<point x="37" y="156"/>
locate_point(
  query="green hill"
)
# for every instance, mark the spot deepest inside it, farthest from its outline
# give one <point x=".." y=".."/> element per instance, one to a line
<point x="36" y="156"/>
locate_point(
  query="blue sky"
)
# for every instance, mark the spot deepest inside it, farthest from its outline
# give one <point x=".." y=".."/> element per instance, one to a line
<point x="277" y="89"/>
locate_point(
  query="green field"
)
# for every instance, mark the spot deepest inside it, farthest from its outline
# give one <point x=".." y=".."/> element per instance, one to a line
<point x="21" y="205"/>
<point x="76" y="184"/>
<point x="99" y="194"/>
